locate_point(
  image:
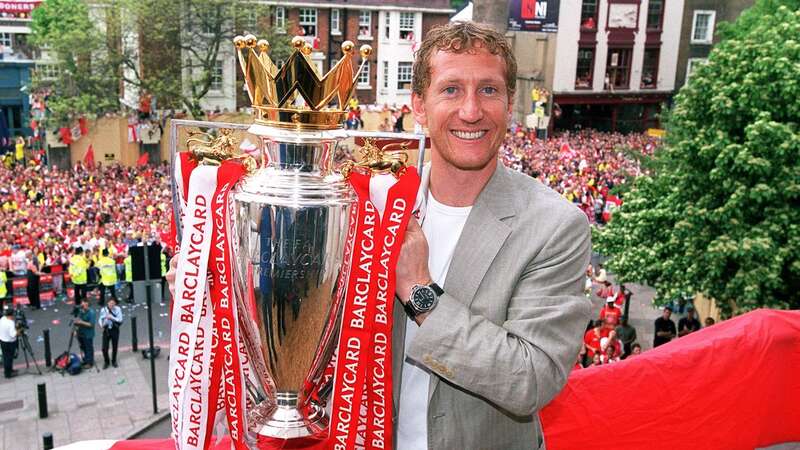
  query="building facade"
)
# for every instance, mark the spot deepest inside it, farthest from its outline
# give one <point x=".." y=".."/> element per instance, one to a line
<point x="698" y="36"/>
<point x="16" y="63"/>
<point x="392" y="29"/>
<point x="615" y="62"/>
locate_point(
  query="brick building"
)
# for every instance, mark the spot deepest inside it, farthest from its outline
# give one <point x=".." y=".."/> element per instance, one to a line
<point x="392" y="28"/>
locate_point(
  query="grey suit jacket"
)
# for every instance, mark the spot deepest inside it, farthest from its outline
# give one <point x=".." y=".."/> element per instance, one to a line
<point x="509" y="326"/>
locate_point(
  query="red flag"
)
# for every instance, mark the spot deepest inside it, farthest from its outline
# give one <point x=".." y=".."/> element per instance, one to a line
<point x="83" y="125"/>
<point x="66" y="135"/>
<point x="142" y="161"/>
<point x="89" y="157"/>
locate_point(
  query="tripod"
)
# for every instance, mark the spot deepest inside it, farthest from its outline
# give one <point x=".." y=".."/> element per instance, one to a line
<point x="25" y="345"/>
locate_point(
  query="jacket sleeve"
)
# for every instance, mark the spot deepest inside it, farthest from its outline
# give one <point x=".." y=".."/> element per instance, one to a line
<point x="523" y="363"/>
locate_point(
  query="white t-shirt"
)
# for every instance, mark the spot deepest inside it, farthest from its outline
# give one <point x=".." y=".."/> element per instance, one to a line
<point x="442" y="227"/>
<point x="8" y="330"/>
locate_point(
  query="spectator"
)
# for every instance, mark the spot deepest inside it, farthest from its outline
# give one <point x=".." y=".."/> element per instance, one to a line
<point x="8" y="342"/>
<point x="592" y="339"/>
<point x="33" y="281"/>
<point x="627" y="335"/>
<point x="636" y="349"/>
<point x="709" y="321"/>
<point x="688" y="324"/>
<point x="610" y="314"/>
<point x="664" y="327"/>
<point x="5" y="281"/>
<point x="110" y="321"/>
<point x="84" y="324"/>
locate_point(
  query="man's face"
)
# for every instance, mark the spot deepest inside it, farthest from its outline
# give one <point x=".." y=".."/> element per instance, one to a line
<point x="465" y="108"/>
<point x="666" y="314"/>
<point x="84" y="305"/>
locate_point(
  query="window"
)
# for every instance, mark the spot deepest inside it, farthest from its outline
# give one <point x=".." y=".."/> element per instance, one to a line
<point x="280" y="17"/>
<point x="386" y="25"/>
<point x="216" y="77"/>
<point x="650" y="68"/>
<point x="308" y="21"/>
<point x="5" y="39"/>
<point x="363" y="76"/>
<point x="692" y="65"/>
<point x="585" y="68"/>
<point x="703" y="27"/>
<point x="48" y="71"/>
<point x="365" y="24"/>
<point x="404" y="76"/>
<point x="589" y="14"/>
<point x="407" y="20"/>
<point x="655" y="9"/>
<point x="386" y="74"/>
<point x="335" y="22"/>
<point x="618" y="68"/>
<point x="248" y="21"/>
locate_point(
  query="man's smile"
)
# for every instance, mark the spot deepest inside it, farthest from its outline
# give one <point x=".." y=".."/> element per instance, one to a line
<point x="468" y="135"/>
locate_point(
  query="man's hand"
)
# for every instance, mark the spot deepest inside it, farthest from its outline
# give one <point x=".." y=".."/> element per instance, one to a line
<point x="173" y="270"/>
<point x="412" y="265"/>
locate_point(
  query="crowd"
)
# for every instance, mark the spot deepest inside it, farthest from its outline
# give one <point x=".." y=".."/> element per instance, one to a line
<point x="583" y="166"/>
<point x="50" y="212"/>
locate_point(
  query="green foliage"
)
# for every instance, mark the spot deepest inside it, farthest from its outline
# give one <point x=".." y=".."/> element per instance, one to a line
<point x="721" y="215"/>
<point x="88" y="84"/>
<point x="164" y="48"/>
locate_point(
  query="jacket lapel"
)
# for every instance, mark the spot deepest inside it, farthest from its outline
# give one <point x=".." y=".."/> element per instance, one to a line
<point x="483" y="235"/>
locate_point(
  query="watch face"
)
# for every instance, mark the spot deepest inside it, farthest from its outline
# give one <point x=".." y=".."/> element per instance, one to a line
<point x="424" y="298"/>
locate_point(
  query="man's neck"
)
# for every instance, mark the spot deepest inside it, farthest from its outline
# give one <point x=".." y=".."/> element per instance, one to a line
<point x="453" y="187"/>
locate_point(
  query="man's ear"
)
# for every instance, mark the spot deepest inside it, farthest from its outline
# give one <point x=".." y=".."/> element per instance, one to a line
<point x="418" y="109"/>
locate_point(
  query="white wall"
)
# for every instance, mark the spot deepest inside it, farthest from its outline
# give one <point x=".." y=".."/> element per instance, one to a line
<point x="567" y="48"/>
<point x="394" y="50"/>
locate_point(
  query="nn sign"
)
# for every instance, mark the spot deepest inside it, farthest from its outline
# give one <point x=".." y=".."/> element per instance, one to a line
<point x="533" y="15"/>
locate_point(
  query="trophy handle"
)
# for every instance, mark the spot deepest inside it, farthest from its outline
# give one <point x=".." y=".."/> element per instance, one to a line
<point x="386" y="135"/>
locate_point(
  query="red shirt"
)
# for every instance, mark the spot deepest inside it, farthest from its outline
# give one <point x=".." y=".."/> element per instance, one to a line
<point x="612" y="313"/>
<point x="592" y="341"/>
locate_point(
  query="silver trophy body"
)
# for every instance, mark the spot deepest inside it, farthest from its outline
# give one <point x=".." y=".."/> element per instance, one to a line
<point x="289" y="226"/>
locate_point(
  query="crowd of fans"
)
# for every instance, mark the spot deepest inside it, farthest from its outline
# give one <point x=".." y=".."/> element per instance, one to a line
<point x="583" y="166"/>
<point x="47" y="213"/>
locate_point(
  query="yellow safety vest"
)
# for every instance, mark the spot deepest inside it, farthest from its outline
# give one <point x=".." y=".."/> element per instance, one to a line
<point x="77" y="269"/>
<point x="108" y="271"/>
<point x="3" y="279"/>
<point x="163" y="264"/>
<point x="128" y="269"/>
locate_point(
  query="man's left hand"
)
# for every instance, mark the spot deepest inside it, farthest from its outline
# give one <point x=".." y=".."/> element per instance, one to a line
<point x="412" y="265"/>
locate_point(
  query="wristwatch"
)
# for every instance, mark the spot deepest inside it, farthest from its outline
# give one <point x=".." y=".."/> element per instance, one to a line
<point x="423" y="299"/>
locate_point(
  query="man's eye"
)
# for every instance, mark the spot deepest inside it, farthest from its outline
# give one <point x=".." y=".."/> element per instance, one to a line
<point x="490" y="90"/>
<point x="450" y="90"/>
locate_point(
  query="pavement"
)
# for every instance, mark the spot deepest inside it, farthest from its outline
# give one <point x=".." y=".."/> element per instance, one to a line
<point x="115" y="403"/>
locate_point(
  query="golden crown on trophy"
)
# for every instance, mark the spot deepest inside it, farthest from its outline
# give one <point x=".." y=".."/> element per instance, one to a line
<point x="296" y="96"/>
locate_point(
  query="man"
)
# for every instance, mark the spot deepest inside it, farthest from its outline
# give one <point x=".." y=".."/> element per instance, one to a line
<point x="502" y="257"/>
<point x="610" y="314"/>
<point x="665" y="328"/>
<point x="78" y="267"/>
<point x="84" y="324"/>
<point x="627" y="335"/>
<point x="110" y="320"/>
<point x="688" y="324"/>
<point x="4" y="282"/>
<point x="108" y="276"/>
<point x="503" y="271"/>
<point x="129" y="275"/>
<point x="8" y="342"/>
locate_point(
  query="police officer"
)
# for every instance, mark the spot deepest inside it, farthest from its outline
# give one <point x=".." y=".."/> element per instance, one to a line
<point x="77" y="272"/>
<point x="108" y="276"/>
<point x="129" y="276"/>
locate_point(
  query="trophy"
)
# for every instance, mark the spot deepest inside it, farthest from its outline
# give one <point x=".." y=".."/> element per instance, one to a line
<point x="289" y="226"/>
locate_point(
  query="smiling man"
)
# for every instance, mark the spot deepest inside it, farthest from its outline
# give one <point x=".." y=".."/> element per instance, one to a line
<point x="492" y="279"/>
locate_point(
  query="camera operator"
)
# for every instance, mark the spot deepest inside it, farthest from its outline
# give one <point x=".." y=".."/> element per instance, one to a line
<point x="110" y="320"/>
<point x="84" y="329"/>
<point x="8" y="341"/>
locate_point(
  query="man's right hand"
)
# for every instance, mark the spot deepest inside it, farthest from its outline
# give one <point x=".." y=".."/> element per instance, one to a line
<point x="173" y="270"/>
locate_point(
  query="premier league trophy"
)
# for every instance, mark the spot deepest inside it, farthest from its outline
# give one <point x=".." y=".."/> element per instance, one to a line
<point x="288" y="222"/>
<point x="289" y="227"/>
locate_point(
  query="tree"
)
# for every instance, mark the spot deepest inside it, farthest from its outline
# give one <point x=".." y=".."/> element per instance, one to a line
<point x="183" y="42"/>
<point x="87" y="82"/>
<point x="164" y="48"/>
<point x="720" y="215"/>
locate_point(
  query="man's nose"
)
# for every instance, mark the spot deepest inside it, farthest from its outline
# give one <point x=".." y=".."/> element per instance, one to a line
<point x="471" y="109"/>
